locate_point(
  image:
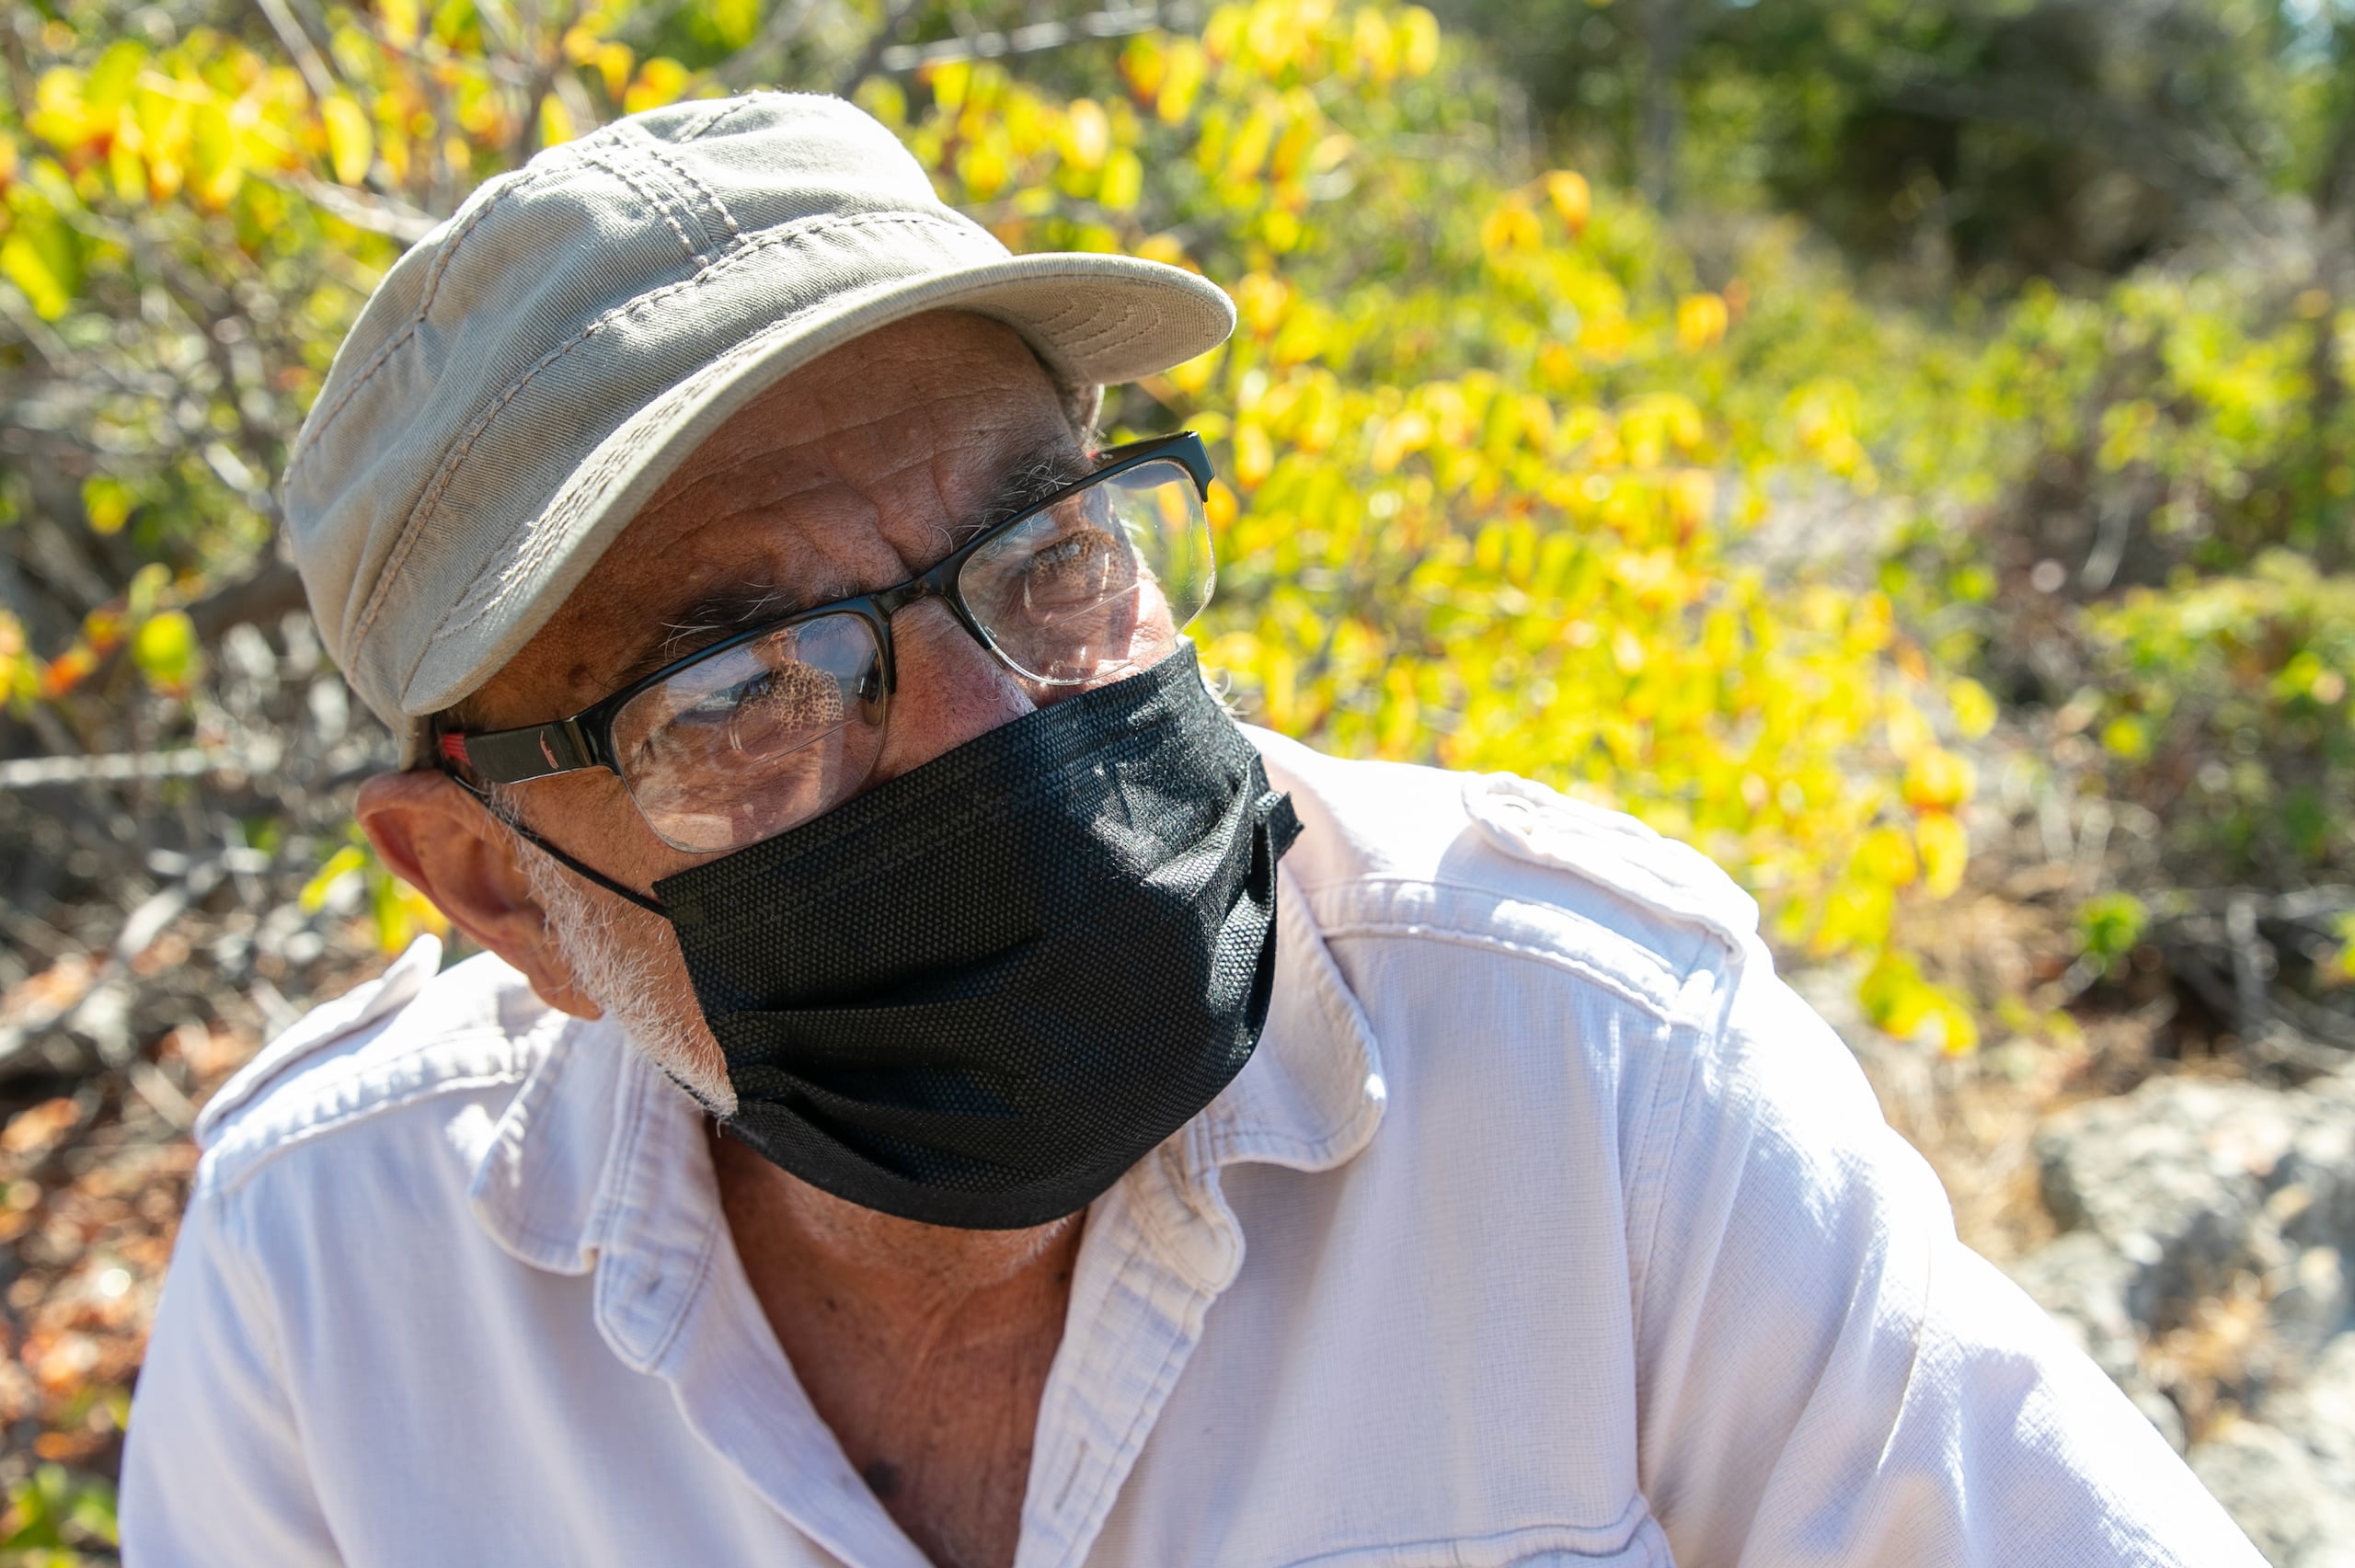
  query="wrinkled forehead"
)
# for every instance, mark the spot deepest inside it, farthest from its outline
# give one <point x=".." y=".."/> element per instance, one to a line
<point x="855" y="473"/>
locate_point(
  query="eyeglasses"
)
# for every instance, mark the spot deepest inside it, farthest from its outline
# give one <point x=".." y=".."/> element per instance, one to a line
<point x="783" y="722"/>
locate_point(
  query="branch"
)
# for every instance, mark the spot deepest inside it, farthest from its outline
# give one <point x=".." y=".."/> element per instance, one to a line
<point x="298" y="44"/>
<point x="271" y="591"/>
<point x="895" y="17"/>
<point x="30" y="773"/>
<point x="1037" y="37"/>
<point x="378" y="214"/>
<point x="741" y="69"/>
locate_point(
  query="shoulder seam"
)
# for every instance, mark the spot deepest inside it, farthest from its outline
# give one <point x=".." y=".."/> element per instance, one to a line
<point x="244" y="1150"/>
<point x="1617" y="985"/>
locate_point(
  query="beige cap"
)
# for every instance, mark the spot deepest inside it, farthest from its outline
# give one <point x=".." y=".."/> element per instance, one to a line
<point x="528" y="375"/>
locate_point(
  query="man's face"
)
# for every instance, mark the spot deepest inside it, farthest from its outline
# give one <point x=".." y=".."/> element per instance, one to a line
<point x="853" y="475"/>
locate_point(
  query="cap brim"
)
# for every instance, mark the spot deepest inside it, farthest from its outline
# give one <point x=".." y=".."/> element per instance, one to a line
<point x="1093" y="320"/>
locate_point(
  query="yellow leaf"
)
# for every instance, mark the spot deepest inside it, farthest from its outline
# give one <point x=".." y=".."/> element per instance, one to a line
<point x="352" y="143"/>
<point x="1572" y="199"/>
<point x="556" y="122"/>
<point x="1511" y="228"/>
<point x="340" y="865"/>
<point x="1887" y="857"/>
<point x="165" y="651"/>
<point x="660" y="81"/>
<point x="1123" y="182"/>
<point x="1627" y="650"/>
<point x="1417" y="41"/>
<point x="107" y="503"/>
<point x="1937" y="780"/>
<point x="399" y="21"/>
<point x="1254" y="456"/>
<point x="30" y="257"/>
<point x="1946" y="851"/>
<point x="1974" y="708"/>
<point x="614" y="61"/>
<point x="1086" y="135"/>
<point x="110" y="80"/>
<point x="1700" y="322"/>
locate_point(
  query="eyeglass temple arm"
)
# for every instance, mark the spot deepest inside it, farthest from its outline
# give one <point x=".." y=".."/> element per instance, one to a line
<point x="1184" y="448"/>
<point x="511" y="755"/>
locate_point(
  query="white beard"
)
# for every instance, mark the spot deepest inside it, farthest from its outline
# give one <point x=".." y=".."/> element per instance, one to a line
<point x="623" y="970"/>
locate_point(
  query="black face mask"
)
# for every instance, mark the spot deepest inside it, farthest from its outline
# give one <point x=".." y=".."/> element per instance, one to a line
<point x="978" y="993"/>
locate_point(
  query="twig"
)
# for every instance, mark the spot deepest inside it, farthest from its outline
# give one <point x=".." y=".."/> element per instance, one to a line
<point x="741" y="69"/>
<point x="298" y="44"/>
<point x="29" y="772"/>
<point x="162" y="1094"/>
<point x="1034" y="39"/>
<point x="2251" y="955"/>
<point x="895" y="17"/>
<point x="378" y="214"/>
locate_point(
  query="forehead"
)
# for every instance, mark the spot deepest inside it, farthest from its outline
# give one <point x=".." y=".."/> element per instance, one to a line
<point x="853" y="473"/>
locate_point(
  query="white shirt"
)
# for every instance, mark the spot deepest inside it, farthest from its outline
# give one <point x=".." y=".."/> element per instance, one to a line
<point x="1545" y="1226"/>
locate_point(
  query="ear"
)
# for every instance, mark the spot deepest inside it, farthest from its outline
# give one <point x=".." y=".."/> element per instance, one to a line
<point x="442" y="841"/>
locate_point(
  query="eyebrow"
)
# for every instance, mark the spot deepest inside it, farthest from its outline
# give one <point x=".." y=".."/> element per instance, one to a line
<point x="713" y="617"/>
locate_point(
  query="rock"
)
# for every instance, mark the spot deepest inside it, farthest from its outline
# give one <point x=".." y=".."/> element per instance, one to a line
<point x="2172" y="1177"/>
<point x="2277" y="1490"/>
<point x="2192" y="1182"/>
<point x="2321" y="1413"/>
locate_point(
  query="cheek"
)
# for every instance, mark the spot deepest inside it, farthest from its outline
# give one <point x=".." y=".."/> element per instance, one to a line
<point x="591" y="817"/>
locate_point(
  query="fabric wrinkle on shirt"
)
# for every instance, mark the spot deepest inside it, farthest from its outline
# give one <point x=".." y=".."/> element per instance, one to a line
<point x="1544" y="1225"/>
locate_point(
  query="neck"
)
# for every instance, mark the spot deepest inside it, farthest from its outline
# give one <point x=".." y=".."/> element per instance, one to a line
<point x="926" y="1351"/>
<point x="900" y="1273"/>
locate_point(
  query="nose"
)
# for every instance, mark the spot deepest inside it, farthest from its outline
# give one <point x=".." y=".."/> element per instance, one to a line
<point x="950" y="690"/>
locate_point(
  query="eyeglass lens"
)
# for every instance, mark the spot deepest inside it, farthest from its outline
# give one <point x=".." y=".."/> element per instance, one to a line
<point x="761" y="737"/>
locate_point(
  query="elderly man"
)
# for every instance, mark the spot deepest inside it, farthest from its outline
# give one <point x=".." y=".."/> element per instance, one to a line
<point x="937" y="1091"/>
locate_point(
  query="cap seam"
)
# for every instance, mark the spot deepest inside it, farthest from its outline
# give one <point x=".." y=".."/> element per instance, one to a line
<point x="310" y="438"/>
<point x="654" y="149"/>
<point x="726" y="111"/>
<point x="581" y="480"/>
<point x="456" y="459"/>
<point x="661" y="207"/>
<point x="525" y="179"/>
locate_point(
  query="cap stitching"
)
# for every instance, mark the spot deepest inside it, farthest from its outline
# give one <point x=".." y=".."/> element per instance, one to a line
<point x="662" y="154"/>
<point x="583" y="481"/>
<point x="1116" y="322"/>
<point x="721" y="115"/>
<point x="662" y="208"/>
<point x="457" y="459"/>
<point x="448" y="253"/>
<point x="529" y="176"/>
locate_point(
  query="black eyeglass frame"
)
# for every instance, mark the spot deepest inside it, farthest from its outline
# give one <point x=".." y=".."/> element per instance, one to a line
<point x="586" y="739"/>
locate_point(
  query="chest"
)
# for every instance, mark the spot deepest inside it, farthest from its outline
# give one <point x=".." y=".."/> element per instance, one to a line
<point x="942" y="1436"/>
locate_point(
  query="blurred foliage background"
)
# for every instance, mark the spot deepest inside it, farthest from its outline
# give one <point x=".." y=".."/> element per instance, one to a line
<point x="1902" y="447"/>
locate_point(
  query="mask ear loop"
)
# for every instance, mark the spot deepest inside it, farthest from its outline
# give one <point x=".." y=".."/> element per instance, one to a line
<point x="651" y="906"/>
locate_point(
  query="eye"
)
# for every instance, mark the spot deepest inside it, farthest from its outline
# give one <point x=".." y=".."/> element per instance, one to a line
<point x="773" y="711"/>
<point x="1077" y="566"/>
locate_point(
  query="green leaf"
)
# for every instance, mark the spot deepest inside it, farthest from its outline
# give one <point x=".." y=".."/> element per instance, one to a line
<point x="39" y="257"/>
<point x="110" y="79"/>
<point x="166" y="651"/>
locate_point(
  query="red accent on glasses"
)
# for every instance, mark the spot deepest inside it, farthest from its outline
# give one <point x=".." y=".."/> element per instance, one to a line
<point x="454" y="747"/>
